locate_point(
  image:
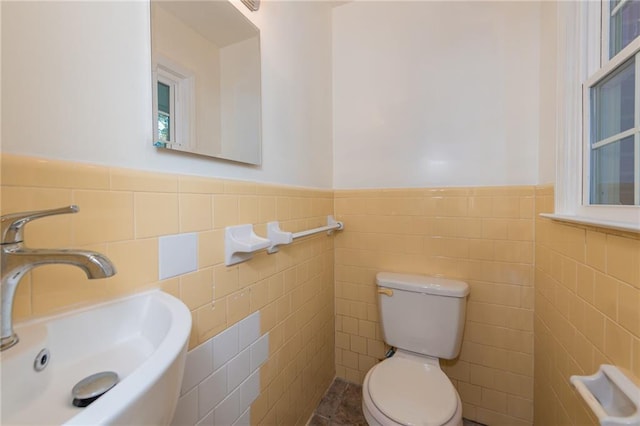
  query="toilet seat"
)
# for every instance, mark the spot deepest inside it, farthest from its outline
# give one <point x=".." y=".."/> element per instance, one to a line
<point x="412" y="393"/>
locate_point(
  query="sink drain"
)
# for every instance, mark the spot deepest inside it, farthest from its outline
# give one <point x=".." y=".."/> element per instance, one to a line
<point x="42" y="360"/>
<point x="93" y="387"/>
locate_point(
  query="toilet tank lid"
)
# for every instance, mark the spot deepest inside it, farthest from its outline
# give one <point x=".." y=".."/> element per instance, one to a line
<point x="423" y="284"/>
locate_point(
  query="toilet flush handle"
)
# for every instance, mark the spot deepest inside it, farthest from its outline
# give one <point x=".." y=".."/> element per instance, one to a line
<point x="386" y="291"/>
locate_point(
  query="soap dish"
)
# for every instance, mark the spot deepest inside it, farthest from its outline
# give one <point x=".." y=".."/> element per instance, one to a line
<point x="612" y="396"/>
<point x="240" y="242"/>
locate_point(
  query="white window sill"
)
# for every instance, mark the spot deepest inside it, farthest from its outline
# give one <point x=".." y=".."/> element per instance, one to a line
<point x="620" y="226"/>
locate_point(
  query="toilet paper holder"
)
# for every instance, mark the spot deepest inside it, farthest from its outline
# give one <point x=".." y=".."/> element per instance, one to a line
<point x="612" y="396"/>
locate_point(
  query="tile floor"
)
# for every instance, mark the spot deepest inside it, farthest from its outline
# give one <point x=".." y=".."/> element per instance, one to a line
<point x="342" y="406"/>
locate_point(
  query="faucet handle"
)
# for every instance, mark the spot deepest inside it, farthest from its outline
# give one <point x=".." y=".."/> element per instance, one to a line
<point x="13" y="223"/>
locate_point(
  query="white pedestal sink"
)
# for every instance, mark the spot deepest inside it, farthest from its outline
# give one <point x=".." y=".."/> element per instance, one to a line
<point x="143" y="338"/>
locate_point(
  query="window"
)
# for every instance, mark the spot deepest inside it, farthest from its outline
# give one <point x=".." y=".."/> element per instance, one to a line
<point x="599" y="158"/>
<point x="612" y="135"/>
<point x="173" y="105"/>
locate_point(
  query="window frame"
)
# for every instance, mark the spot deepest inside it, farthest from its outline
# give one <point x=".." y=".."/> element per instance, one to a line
<point x="581" y="51"/>
<point x="182" y="103"/>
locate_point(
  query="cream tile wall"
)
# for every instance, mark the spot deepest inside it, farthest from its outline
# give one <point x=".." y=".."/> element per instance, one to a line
<point x="480" y="235"/>
<point x="123" y="213"/>
<point x="587" y="310"/>
<point x="587" y="280"/>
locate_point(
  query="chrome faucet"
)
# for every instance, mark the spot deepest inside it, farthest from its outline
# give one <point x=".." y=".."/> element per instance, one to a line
<point x="17" y="260"/>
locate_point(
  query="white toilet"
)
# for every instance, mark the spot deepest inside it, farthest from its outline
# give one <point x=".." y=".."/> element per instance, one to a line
<point x="423" y="317"/>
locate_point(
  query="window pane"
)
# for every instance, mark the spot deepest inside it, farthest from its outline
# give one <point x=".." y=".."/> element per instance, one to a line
<point x="612" y="173"/>
<point x="624" y="26"/>
<point x="164" y="98"/>
<point x="612" y="103"/>
<point x="164" y="129"/>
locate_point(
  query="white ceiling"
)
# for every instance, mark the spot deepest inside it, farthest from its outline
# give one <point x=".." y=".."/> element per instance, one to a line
<point x="218" y="21"/>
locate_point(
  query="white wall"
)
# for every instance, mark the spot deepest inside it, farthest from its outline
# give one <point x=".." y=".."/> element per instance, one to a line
<point x="76" y="85"/>
<point x="548" y="102"/>
<point x="435" y="93"/>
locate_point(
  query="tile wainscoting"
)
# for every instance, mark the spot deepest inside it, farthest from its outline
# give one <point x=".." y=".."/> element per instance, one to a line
<point x="128" y="215"/>
<point x="587" y="283"/>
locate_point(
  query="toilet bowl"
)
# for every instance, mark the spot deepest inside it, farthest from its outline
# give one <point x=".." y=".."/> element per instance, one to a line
<point x="407" y="389"/>
<point x="423" y="317"/>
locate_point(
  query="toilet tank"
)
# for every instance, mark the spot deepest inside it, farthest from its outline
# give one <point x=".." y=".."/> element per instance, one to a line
<point x="422" y="314"/>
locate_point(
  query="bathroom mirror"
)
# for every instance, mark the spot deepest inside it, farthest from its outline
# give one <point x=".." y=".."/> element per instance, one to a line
<point x="206" y="80"/>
